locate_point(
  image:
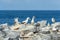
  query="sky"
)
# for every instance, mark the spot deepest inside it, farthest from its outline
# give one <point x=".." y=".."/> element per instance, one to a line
<point x="29" y="4"/>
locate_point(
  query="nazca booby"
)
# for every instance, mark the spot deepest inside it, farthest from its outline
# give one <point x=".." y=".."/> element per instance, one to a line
<point x="53" y="20"/>
<point x="47" y="28"/>
<point x="16" y="25"/>
<point x="16" y="20"/>
<point x="26" y="21"/>
<point x="32" y="21"/>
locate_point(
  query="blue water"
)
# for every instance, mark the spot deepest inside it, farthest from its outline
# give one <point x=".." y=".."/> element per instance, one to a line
<point x="9" y="15"/>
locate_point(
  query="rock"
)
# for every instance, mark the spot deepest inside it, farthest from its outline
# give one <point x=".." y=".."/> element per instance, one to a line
<point x="6" y="38"/>
<point x="1" y="38"/>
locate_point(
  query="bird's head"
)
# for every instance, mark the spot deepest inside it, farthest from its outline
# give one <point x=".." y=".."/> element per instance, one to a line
<point x="34" y="16"/>
<point x="28" y="18"/>
<point x="16" y="19"/>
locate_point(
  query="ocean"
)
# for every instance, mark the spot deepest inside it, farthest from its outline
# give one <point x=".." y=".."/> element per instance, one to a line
<point x="7" y="16"/>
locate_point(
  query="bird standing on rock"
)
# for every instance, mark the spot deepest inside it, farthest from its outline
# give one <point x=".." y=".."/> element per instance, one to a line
<point x="32" y="21"/>
<point x="53" y="20"/>
<point x="26" y="21"/>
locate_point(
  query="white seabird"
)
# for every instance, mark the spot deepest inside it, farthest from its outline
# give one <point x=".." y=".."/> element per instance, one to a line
<point x="42" y="23"/>
<point x="48" y="24"/>
<point x="32" y="21"/>
<point x="16" y="20"/>
<point x="53" y="20"/>
<point x="46" y="28"/>
<point x="26" y="21"/>
<point x="16" y="25"/>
